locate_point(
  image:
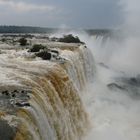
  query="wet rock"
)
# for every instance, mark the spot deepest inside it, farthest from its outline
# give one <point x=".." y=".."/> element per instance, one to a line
<point x="70" y="39"/>
<point x="115" y="86"/>
<point x="6" y="131"/>
<point x="37" y="48"/>
<point x="54" y="39"/>
<point x="15" y="91"/>
<point x="6" y="92"/>
<point x="27" y="104"/>
<point x="22" y="104"/>
<point x="23" y="91"/>
<point x="131" y="86"/>
<point x="55" y="51"/>
<point x="132" y="81"/>
<point x="19" y="104"/>
<point x="44" y="55"/>
<point x="17" y="97"/>
<point x="28" y="96"/>
<point x="103" y="65"/>
<point x="13" y="95"/>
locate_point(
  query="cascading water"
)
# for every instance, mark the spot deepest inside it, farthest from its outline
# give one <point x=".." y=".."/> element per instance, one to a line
<point x="47" y="100"/>
<point x="112" y="100"/>
<point x="43" y="99"/>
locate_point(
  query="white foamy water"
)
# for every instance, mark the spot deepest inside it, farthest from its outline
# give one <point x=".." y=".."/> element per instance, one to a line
<point x="114" y="114"/>
<point x="113" y="110"/>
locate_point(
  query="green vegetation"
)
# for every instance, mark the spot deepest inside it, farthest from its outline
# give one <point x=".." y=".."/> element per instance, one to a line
<point x="3" y="40"/>
<point x="37" y="48"/>
<point x="23" y="41"/>
<point x="41" y="51"/>
<point x="44" y="55"/>
<point x="70" y="39"/>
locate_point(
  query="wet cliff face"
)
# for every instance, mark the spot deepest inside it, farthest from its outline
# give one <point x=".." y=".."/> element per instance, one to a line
<point x="39" y="99"/>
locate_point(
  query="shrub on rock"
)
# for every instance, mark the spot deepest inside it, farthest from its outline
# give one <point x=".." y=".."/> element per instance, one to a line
<point x="3" y="40"/>
<point x="37" y="48"/>
<point x="69" y="39"/>
<point x="23" y="41"/>
<point x="44" y="55"/>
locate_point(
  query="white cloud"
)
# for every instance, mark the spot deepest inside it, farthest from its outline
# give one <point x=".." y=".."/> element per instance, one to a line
<point x="25" y="7"/>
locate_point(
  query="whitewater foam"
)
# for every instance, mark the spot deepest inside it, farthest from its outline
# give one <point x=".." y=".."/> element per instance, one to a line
<point x="114" y="113"/>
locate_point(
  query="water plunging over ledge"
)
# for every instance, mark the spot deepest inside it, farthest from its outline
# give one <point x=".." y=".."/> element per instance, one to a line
<point x="41" y="100"/>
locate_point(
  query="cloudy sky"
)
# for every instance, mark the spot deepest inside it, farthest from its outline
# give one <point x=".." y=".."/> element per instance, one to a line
<point x="59" y="13"/>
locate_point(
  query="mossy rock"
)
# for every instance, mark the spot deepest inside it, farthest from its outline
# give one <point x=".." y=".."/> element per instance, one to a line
<point x="23" y="41"/>
<point x="69" y="39"/>
<point x="37" y="48"/>
<point x="44" y="55"/>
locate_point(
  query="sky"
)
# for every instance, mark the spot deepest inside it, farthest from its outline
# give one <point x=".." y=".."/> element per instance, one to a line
<point x="62" y="13"/>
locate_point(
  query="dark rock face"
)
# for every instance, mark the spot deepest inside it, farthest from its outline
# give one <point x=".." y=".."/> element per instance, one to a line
<point x="55" y="51"/>
<point x="23" y="41"/>
<point x="22" y="104"/>
<point x="103" y="65"/>
<point x="44" y="52"/>
<point x="5" y="92"/>
<point x="44" y="55"/>
<point x="115" y="86"/>
<point x="15" y="93"/>
<point x="10" y="100"/>
<point x="134" y="81"/>
<point x="131" y="86"/>
<point x="6" y="131"/>
<point x="69" y="39"/>
<point x="37" y="48"/>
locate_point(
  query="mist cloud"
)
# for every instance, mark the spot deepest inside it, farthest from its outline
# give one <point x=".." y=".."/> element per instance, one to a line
<point x="131" y="12"/>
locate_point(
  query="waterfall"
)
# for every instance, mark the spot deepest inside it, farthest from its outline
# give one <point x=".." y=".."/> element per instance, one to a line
<point x="53" y="107"/>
